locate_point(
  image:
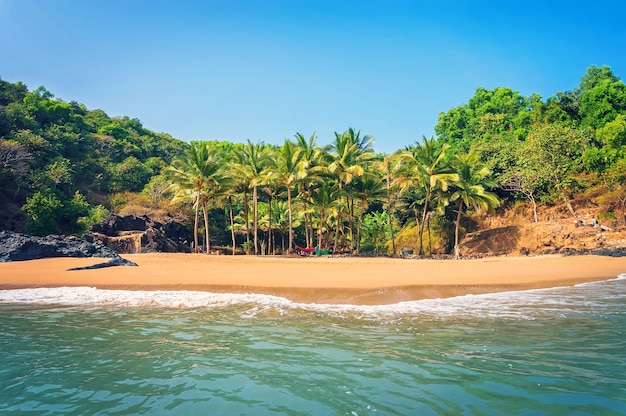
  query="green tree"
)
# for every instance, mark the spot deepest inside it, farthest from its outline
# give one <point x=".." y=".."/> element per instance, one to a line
<point x="252" y="162"/>
<point x="498" y="114"/>
<point x="323" y="199"/>
<point x="563" y="108"/>
<point x="43" y="210"/>
<point x="375" y="228"/>
<point x="615" y="180"/>
<point x="426" y="165"/>
<point x="603" y="97"/>
<point x="290" y="168"/>
<point x="14" y="164"/>
<point x="129" y="175"/>
<point x="157" y="190"/>
<point x="366" y="189"/>
<point x="196" y="175"/>
<point x="313" y="164"/>
<point x="556" y="152"/>
<point x="94" y="215"/>
<point x="384" y="166"/>
<point x="611" y="145"/>
<point x="350" y="152"/>
<point x="470" y="188"/>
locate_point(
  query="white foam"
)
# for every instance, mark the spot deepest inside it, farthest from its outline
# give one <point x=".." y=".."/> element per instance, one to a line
<point x="158" y="298"/>
<point x="520" y="304"/>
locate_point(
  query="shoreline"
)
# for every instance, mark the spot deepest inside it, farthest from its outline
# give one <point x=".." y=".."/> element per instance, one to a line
<point x="326" y="280"/>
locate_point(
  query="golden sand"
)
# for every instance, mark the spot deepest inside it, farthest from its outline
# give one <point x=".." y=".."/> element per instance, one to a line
<point x="317" y="279"/>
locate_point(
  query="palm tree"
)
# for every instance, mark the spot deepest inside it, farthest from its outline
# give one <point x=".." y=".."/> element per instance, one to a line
<point x="312" y="160"/>
<point x="470" y="188"/>
<point x="281" y="219"/>
<point x="252" y="161"/>
<point x="366" y="189"/>
<point x="384" y="166"/>
<point x="228" y="190"/>
<point x="375" y="225"/>
<point x="291" y="167"/>
<point x="323" y="199"/>
<point x="426" y="165"/>
<point x="270" y="181"/>
<point x="197" y="174"/>
<point x="349" y="154"/>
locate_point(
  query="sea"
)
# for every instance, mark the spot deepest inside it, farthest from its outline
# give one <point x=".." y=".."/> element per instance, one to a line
<point x="87" y="351"/>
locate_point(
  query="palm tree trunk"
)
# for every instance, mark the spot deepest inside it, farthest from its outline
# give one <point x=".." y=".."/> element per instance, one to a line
<point x="308" y="238"/>
<point x="417" y="220"/>
<point x="338" y="222"/>
<point x="421" y="226"/>
<point x="393" y="240"/>
<point x="351" y="219"/>
<point x="255" y="218"/>
<point x="196" y="224"/>
<point x="358" y="231"/>
<point x="270" y="236"/>
<point x="205" y="211"/>
<point x="456" y="228"/>
<point x="246" y="214"/>
<point x="232" y="221"/>
<point x="336" y="241"/>
<point x="290" y="222"/>
<point x="320" y="235"/>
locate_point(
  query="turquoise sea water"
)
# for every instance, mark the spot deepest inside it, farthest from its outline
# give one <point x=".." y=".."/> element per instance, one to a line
<point x="82" y="351"/>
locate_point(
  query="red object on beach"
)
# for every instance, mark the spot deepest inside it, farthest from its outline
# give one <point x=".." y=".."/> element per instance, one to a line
<point x="305" y="250"/>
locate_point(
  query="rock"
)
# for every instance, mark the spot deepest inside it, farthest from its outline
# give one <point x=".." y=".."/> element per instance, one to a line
<point x="114" y="224"/>
<point x="16" y="246"/>
<point x="140" y="234"/>
<point x="494" y="241"/>
<point x="117" y="261"/>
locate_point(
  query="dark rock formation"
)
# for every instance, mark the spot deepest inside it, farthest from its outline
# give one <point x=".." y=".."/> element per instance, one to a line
<point x="15" y="246"/>
<point x="117" y="261"/>
<point x="140" y="234"/>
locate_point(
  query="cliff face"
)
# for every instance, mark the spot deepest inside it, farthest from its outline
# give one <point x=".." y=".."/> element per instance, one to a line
<point x="556" y="236"/>
<point x="140" y="234"/>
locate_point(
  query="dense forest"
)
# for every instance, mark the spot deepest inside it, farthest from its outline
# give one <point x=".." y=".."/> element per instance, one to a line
<point x="64" y="167"/>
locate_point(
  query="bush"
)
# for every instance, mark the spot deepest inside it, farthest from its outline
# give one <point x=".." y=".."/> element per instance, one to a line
<point x="43" y="210"/>
<point x="96" y="214"/>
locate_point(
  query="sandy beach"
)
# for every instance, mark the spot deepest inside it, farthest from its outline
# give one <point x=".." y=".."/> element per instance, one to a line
<point x="317" y="280"/>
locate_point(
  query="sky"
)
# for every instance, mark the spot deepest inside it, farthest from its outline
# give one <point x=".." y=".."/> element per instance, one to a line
<point x="264" y="70"/>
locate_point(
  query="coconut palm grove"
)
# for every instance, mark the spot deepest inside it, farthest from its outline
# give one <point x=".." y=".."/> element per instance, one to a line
<point x="64" y="167"/>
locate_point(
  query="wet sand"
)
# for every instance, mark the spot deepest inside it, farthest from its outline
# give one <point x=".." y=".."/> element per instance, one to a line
<point x="315" y="279"/>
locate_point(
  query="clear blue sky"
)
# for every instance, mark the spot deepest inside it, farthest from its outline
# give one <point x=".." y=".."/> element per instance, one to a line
<point x="264" y="70"/>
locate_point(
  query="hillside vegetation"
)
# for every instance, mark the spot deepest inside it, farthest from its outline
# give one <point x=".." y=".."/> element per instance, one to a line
<point x="502" y="161"/>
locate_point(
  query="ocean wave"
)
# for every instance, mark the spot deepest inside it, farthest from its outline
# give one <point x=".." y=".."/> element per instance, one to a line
<point x="526" y="304"/>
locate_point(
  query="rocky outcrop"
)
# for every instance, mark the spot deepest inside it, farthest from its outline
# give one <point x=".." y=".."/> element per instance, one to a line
<point x="563" y="237"/>
<point x="140" y="234"/>
<point x="16" y="246"/>
<point x="494" y="241"/>
<point x="117" y="261"/>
